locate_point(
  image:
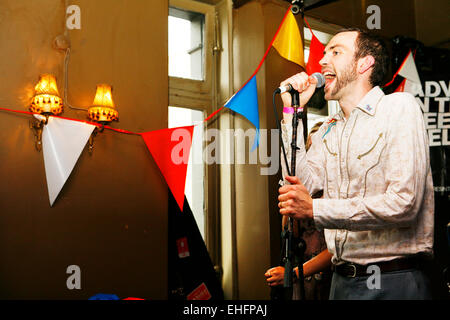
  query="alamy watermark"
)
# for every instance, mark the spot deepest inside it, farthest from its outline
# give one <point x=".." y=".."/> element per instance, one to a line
<point x="73" y="14"/>
<point x="374" y="281"/>
<point x="230" y="146"/>
<point x="374" y="20"/>
<point x="74" y="280"/>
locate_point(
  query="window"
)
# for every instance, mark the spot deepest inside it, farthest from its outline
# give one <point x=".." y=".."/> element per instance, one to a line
<point x="186" y="44"/>
<point x="191" y="93"/>
<point x="191" y="34"/>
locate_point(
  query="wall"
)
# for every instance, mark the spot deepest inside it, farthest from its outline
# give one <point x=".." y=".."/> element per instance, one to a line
<point x="228" y="246"/>
<point x="111" y="216"/>
<point x="397" y="17"/>
<point x="419" y="19"/>
<point x="251" y="206"/>
<point x="432" y="20"/>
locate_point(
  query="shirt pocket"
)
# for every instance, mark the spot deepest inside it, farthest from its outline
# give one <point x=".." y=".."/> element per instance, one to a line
<point x="329" y="148"/>
<point x="369" y="153"/>
<point x="367" y="159"/>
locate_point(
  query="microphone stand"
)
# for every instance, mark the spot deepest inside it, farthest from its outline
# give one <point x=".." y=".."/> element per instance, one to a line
<point x="290" y="252"/>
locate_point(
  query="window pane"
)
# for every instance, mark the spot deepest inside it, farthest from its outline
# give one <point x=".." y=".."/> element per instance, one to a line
<point x="195" y="172"/>
<point x="323" y="37"/>
<point x="186" y="44"/>
<point x="306" y="53"/>
<point x="179" y="43"/>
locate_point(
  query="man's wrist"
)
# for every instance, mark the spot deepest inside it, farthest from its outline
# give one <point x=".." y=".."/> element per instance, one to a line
<point x="290" y="110"/>
<point x="311" y="210"/>
<point x="317" y="214"/>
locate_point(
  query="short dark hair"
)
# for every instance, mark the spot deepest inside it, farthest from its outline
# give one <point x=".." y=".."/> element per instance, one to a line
<point x="370" y="44"/>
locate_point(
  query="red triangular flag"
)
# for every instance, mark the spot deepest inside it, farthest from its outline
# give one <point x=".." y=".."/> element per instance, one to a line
<point x="170" y="149"/>
<point x="401" y="87"/>
<point x="315" y="55"/>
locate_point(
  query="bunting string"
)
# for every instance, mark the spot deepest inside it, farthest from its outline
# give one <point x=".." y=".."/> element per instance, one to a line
<point x="71" y="119"/>
<point x="269" y="47"/>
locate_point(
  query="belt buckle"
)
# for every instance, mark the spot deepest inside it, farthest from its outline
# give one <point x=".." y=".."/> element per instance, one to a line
<point x="354" y="270"/>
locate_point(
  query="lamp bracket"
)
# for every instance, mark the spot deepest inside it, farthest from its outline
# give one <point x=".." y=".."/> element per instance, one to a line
<point x="93" y="134"/>
<point x="37" y="124"/>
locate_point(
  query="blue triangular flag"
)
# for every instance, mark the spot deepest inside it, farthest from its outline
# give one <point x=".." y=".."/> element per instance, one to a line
<point x="245" y="102"/>
<point x="104" y="296"/>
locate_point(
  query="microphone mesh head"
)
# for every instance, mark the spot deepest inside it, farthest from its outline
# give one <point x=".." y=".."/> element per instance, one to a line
<point x="320" y="79"/>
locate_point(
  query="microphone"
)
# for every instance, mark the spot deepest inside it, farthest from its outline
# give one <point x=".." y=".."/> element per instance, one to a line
<point x="288" y="88"/>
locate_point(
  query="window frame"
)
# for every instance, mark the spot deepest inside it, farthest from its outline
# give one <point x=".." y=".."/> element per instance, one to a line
<point x="202" y="95"/>
<point x="195" y="94"/>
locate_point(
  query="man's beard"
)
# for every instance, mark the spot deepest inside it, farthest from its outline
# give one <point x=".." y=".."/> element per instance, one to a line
<point x="349" y="75"/>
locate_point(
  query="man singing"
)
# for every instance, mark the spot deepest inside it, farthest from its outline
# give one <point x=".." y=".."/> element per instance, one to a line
<point x="371" y="160"/>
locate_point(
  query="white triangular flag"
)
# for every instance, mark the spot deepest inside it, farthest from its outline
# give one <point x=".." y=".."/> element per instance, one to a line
<point x="408" y="69"/>
<point x="408" y="86"/>
<point x="411" y="82"/>
<point x="413" y="87"/>
<point x="62" y="142"/>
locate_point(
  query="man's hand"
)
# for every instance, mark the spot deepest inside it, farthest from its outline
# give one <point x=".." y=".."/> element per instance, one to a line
<point x="301" y="82"/>
<point x="275" y="276"/>
<point x="294" y="200"/>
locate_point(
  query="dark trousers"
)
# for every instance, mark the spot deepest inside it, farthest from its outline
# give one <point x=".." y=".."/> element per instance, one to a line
<point x="411" y="284"/>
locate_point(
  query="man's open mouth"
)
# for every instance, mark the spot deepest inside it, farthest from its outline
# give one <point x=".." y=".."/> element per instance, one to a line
<point x="329" y="78"/>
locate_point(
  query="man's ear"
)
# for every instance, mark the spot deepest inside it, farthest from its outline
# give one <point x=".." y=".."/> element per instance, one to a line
<point x="365" y="63"/>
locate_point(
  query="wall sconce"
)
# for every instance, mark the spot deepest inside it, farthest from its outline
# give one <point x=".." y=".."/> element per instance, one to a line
<point x="46" y="101"/>
<point x="46" y="97"/>
<point x="102" y="110"/>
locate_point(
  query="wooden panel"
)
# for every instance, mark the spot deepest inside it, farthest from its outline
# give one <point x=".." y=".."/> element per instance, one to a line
<point x="111" y="216"/>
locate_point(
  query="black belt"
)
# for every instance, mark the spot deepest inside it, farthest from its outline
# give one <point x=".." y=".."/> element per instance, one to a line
<point x="352" y="270"/>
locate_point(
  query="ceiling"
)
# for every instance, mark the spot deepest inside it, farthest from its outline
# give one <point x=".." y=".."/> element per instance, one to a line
<point x="432" y="18"/>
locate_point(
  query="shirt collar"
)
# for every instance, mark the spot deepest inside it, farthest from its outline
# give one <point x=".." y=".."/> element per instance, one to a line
<point x="337" y="116"/>
<point x="369" y="103"/>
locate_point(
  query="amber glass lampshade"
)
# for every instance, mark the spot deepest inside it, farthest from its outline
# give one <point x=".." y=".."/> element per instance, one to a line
<point x="46" y="97"/>
<point x="102" y="109"/>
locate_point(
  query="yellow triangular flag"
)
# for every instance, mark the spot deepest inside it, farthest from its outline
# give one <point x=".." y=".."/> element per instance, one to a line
<point x="289" y="41"/>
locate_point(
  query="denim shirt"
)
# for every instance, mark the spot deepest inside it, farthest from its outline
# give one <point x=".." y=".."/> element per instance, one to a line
<point x="374" y="170"/>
